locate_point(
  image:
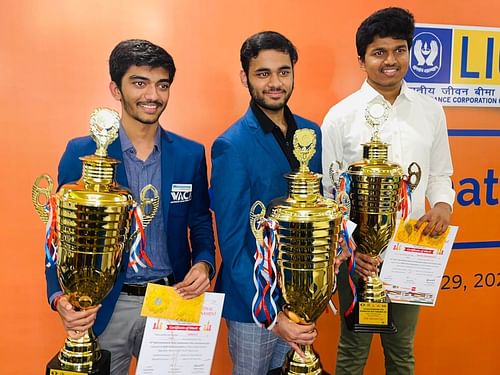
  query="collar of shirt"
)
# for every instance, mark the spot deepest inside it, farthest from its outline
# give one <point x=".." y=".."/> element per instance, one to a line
<point x="284" y="141"/>
<point x="127" y="146"/>
<point x="268" y="125"/>
<point x="369" y="93"/>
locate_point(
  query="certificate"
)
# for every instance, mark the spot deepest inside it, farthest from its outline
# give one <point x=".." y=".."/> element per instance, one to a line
<point x="178" y="347"/>
<point x="414" y="264"/>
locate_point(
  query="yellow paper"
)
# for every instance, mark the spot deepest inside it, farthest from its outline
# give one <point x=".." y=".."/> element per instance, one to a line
<point x="163" y="302"/>
<point x="408" y="234"/>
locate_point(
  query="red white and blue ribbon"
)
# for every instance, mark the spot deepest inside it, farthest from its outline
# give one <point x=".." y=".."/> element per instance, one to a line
<point x="405" y="196"/>
<point x="138" y="256"/>
<point x="50" y="234"/>
<point x="264" y="304"/>
<point x="344" y="205"/>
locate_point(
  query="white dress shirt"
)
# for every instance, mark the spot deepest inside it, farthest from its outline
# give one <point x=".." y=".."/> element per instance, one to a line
<point x="415" y="130"/>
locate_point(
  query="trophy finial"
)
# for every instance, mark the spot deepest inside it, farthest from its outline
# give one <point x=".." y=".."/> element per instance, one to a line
<point x="376" y="114"/>
<point x="304" y="147"/>
<point x="104" y="125"/>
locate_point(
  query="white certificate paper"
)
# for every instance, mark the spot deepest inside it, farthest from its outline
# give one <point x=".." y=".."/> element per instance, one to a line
<point x="412" y="273"/>
<point x="171" y="347"/>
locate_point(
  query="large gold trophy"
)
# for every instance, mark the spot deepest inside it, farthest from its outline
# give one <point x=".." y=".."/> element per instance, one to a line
<point x="89" y="229"/>
<point x="377" y="190"/>
<point x="308" y="227"/>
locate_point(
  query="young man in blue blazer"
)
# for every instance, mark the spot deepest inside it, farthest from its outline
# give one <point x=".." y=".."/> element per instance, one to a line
<point x="141" y="76"/>
<point x="249" y="161"/>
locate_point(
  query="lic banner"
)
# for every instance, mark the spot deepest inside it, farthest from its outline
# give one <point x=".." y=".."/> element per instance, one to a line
<point x="457" y="65"/>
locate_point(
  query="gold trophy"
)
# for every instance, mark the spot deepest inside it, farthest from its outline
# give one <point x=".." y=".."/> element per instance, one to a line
<point x="90" y="221"/>
<point x="308" y="227"/>
<point x="376" y="188"/>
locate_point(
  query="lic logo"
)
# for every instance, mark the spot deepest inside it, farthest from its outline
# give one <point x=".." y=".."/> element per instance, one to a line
<point x="426" y="55"/>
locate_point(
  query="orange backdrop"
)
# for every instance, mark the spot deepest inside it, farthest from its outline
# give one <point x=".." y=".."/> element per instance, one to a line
<point x="53" y="72"/>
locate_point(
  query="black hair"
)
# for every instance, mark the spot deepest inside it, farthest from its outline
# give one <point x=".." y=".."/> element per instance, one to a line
<point x="266" y="40"/>
<point x="391" y="22"/>
<point x="138" y="52"/>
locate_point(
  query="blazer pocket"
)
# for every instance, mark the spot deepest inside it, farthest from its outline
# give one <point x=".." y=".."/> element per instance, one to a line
<point x="179" y="209"/>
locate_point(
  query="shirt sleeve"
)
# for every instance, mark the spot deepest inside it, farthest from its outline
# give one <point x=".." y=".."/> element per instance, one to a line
<point x="332" y="149"/>
<point x="439" y="187"/>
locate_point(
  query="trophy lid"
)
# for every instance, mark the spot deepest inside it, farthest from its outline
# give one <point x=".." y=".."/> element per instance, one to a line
<point x="304" y="147"/>
<point x="376" y="114"/>
<point x="104" y="125"/>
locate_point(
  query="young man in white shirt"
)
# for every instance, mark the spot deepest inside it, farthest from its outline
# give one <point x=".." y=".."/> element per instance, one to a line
<point x="416" y="131"/>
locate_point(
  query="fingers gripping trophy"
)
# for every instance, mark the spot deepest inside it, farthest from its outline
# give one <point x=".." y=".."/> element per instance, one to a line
<point x="303" y="228"/>
<point x="88" y="233"/>
<point x="377" y="189"/>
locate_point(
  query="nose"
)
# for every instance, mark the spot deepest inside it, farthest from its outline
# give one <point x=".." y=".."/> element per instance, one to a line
<point x="275" y="80"/>
<point x="390" y="58"/>
<point x="151" y="92"/>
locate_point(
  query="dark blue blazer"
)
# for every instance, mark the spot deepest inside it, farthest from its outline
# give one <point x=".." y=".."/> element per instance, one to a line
<point x="182" y="162"/>
<point x="247" y="165"/>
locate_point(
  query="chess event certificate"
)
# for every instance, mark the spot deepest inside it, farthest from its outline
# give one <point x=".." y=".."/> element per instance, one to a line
<point x="180" y="335"/>
<point x="414" y="264"/>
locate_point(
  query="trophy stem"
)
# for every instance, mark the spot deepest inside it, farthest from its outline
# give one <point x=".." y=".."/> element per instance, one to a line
<point x="80" y="354"/>
<point x="373" y="290"/>
<point x="296" y="365"/>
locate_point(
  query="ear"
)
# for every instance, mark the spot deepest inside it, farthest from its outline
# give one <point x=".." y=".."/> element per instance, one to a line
<point x="243" y="78"/>
<point x="115" y="91"/>
<point x="361" y="63"/>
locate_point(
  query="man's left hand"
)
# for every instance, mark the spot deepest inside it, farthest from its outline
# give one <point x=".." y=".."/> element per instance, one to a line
<point x="196" y="282"/>
<point x="437" y="219"/>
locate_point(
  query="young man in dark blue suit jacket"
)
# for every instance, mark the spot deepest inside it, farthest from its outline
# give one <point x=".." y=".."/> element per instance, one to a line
<point x="141" y="75"/>
<point x="249" y="161"/>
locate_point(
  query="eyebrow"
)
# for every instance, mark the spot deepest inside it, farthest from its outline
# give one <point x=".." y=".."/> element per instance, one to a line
<point x="134" y="76"/>
<point x="284" y="67"/>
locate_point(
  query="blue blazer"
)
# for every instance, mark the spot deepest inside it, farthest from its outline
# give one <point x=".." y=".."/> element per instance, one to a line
<point x="247" y="165"/>
<point x="182" y="162"/>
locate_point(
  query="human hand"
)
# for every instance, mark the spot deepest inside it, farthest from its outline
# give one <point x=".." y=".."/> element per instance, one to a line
<point x="76" y="323"/>
<point x="196" y="282"/>
<point x="366" y="265"/>
<point x="294" y="334"/>
<point x="343" y="256"/>
<point x="437" y="219"/>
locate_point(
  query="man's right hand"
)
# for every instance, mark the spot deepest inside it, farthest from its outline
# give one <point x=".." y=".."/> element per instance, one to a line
<point x="75" y="322"/>
<point x="294" y="334"/>
<point x="366" y="265"/>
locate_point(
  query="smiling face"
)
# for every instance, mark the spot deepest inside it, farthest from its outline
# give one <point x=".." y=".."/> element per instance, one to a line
<point x="144" y="94"/>
<point x="270" y="79"/>
<point x="386" y="63"/>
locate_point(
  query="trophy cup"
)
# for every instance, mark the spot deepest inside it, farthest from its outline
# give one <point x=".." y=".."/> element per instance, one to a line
<point x="88" y="230"/>
<point x="377" y="189"/>
<point x="307" y="231"/>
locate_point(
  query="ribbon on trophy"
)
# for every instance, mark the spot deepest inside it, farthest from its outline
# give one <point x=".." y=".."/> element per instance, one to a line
<point x="264" y="308"/>
<point x="405" y="196"/>
<point x="138" y="248"/>
<point x="50" y="233"/>
<point x="344" y="206"/>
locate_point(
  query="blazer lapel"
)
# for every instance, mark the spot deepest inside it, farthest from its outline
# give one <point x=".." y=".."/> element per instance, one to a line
<point x="167" y="173"/>
<point x="273" y="153"/>
<point x="115" y="152"/>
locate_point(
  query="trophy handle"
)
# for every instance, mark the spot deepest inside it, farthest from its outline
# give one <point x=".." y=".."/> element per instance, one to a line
<point x="37" y="192"/>
<point x="146" y="203"/>
<point x="257" y="212"/>
<point x="334" y="174"/>
<point x="414" y="174"/>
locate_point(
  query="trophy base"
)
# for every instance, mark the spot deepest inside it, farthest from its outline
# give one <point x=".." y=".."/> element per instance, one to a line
<point x="371" y="317"/>
<point x="100" y="367"/>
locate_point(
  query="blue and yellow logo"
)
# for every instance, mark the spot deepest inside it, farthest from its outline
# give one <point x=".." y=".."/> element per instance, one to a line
<point x="455" y="55"/>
